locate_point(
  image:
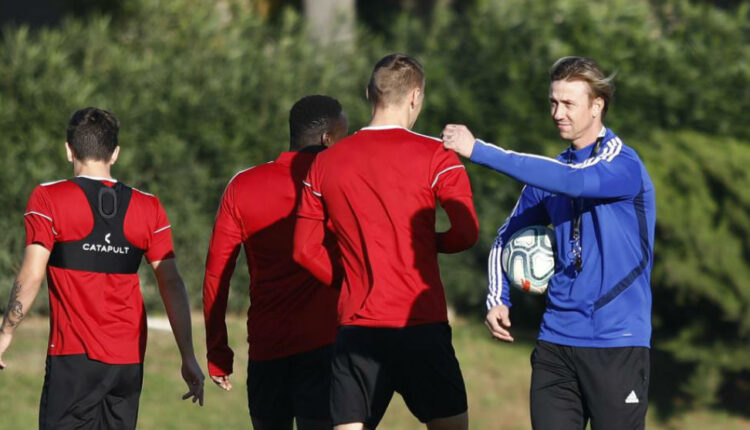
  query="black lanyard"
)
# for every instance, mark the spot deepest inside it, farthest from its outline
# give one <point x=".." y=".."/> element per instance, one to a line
<point x="576" y="206"/>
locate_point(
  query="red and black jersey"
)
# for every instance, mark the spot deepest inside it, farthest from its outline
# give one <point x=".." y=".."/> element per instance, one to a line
<point x="290" y="311"/>
<point x="97" y="230"/>
<point x="380" y="187"/>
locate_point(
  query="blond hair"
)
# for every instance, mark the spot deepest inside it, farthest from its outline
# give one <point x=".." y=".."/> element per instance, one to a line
<point x="392" y="79"/>
<point x="585" y="69"/>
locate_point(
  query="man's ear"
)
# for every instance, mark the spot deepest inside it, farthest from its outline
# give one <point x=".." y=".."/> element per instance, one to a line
<point x="597" y="107"/>
<point x="115" y="154"/>
<point x="325" y="139"/>
<point x="416" y="93"/>
<point x="69" y="152"/>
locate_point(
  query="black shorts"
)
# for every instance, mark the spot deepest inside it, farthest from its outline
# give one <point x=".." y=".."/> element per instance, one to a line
<point x="418" y="362"/>
<point x="82" y="393"/>
<point x="293" y="386"/>
<point x="572" y="385"/>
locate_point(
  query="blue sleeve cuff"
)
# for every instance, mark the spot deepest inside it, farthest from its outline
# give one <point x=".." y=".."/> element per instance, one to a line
<point x="492" y="302"/>
<point x="477" y="150"/>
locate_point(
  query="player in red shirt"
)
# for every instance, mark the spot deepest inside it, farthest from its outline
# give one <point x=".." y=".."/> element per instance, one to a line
<point x="89" y="234"/>
<point x="379" y="188"/>
<point x="291" y="322"/>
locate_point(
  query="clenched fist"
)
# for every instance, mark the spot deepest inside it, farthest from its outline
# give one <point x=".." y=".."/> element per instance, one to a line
<point x="458" y="137"/>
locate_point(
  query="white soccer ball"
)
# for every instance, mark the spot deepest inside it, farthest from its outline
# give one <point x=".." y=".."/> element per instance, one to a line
<point x="528" y="259"/>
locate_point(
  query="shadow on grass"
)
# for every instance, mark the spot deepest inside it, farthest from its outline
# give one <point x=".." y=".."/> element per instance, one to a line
<point x="670" y="397"/>
<point x="665" y="394"/>
<point x="734" y="395"/>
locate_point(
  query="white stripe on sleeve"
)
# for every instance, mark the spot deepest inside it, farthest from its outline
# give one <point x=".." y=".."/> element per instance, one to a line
<point x="47" y="184"/>
<point x="40" y="214"/>
<point x="163" y="228"/>
<point x="458" y="166"/>
<point x="494" y="262"/>
<point x="495" y="275"/>
<point x="47" y="217"/>
<point x="308" y="185"/>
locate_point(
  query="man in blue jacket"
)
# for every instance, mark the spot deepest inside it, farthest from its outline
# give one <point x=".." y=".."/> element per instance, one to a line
<point x="591" y="360"/>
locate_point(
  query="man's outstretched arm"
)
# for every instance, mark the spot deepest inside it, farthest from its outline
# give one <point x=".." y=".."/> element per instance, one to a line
<point x="611" y="174"/>
<point x="175" y="299"/>
<point x="22" y="295"/>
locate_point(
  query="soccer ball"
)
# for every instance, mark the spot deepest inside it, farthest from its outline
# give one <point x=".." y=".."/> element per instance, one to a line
<point x="528" y="259"/>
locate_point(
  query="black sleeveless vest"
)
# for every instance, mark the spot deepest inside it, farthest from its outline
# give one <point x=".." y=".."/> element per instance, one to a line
<point x="105" y="249"/>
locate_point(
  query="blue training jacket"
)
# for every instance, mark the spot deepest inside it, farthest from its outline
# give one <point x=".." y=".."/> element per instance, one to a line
<point x="607" y="303"/>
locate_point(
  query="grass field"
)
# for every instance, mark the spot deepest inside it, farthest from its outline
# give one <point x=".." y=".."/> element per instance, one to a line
<point x="497" y="378"/>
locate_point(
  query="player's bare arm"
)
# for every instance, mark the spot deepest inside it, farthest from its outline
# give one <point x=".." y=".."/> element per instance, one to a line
<point x="458" y="138"/>
<point x="172" y="290"/>
<point x="25" y="288"/>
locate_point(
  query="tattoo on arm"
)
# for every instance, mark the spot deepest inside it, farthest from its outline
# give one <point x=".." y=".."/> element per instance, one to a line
<point x="14" y="312"/>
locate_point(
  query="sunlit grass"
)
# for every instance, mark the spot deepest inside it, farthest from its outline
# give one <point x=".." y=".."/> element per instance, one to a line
<point x="497" y="379"/>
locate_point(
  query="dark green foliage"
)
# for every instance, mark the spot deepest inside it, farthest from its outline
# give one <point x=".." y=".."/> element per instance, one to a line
<point x="700" y="278"/>
<point x="203" y="89"/>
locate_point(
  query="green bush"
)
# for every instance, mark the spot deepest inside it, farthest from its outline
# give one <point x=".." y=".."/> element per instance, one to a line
<point x="203" y="89"/>
<point x="200" y="96"/>
<point x="700" y="276"/>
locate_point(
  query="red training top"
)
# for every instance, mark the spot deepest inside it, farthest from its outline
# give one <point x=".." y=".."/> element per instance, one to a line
<point x="379" y="187"/>
<point x="97" y="314"/>
<point x="290" y="311"/>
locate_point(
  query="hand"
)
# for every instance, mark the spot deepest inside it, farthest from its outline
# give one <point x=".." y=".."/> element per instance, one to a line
<point x="223" y="382"/>
<point x="5" y="339"/>
<point x="193" y="376"/>
<point x="458" y="138"/>
<point x="498" y="323"/>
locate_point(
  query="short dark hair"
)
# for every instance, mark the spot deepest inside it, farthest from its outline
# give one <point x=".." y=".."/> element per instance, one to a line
<point x="392" y="78"/>
<point x="586" y="70"/>
<point x="310" y="117"/>
<point x="92" y="134"/>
